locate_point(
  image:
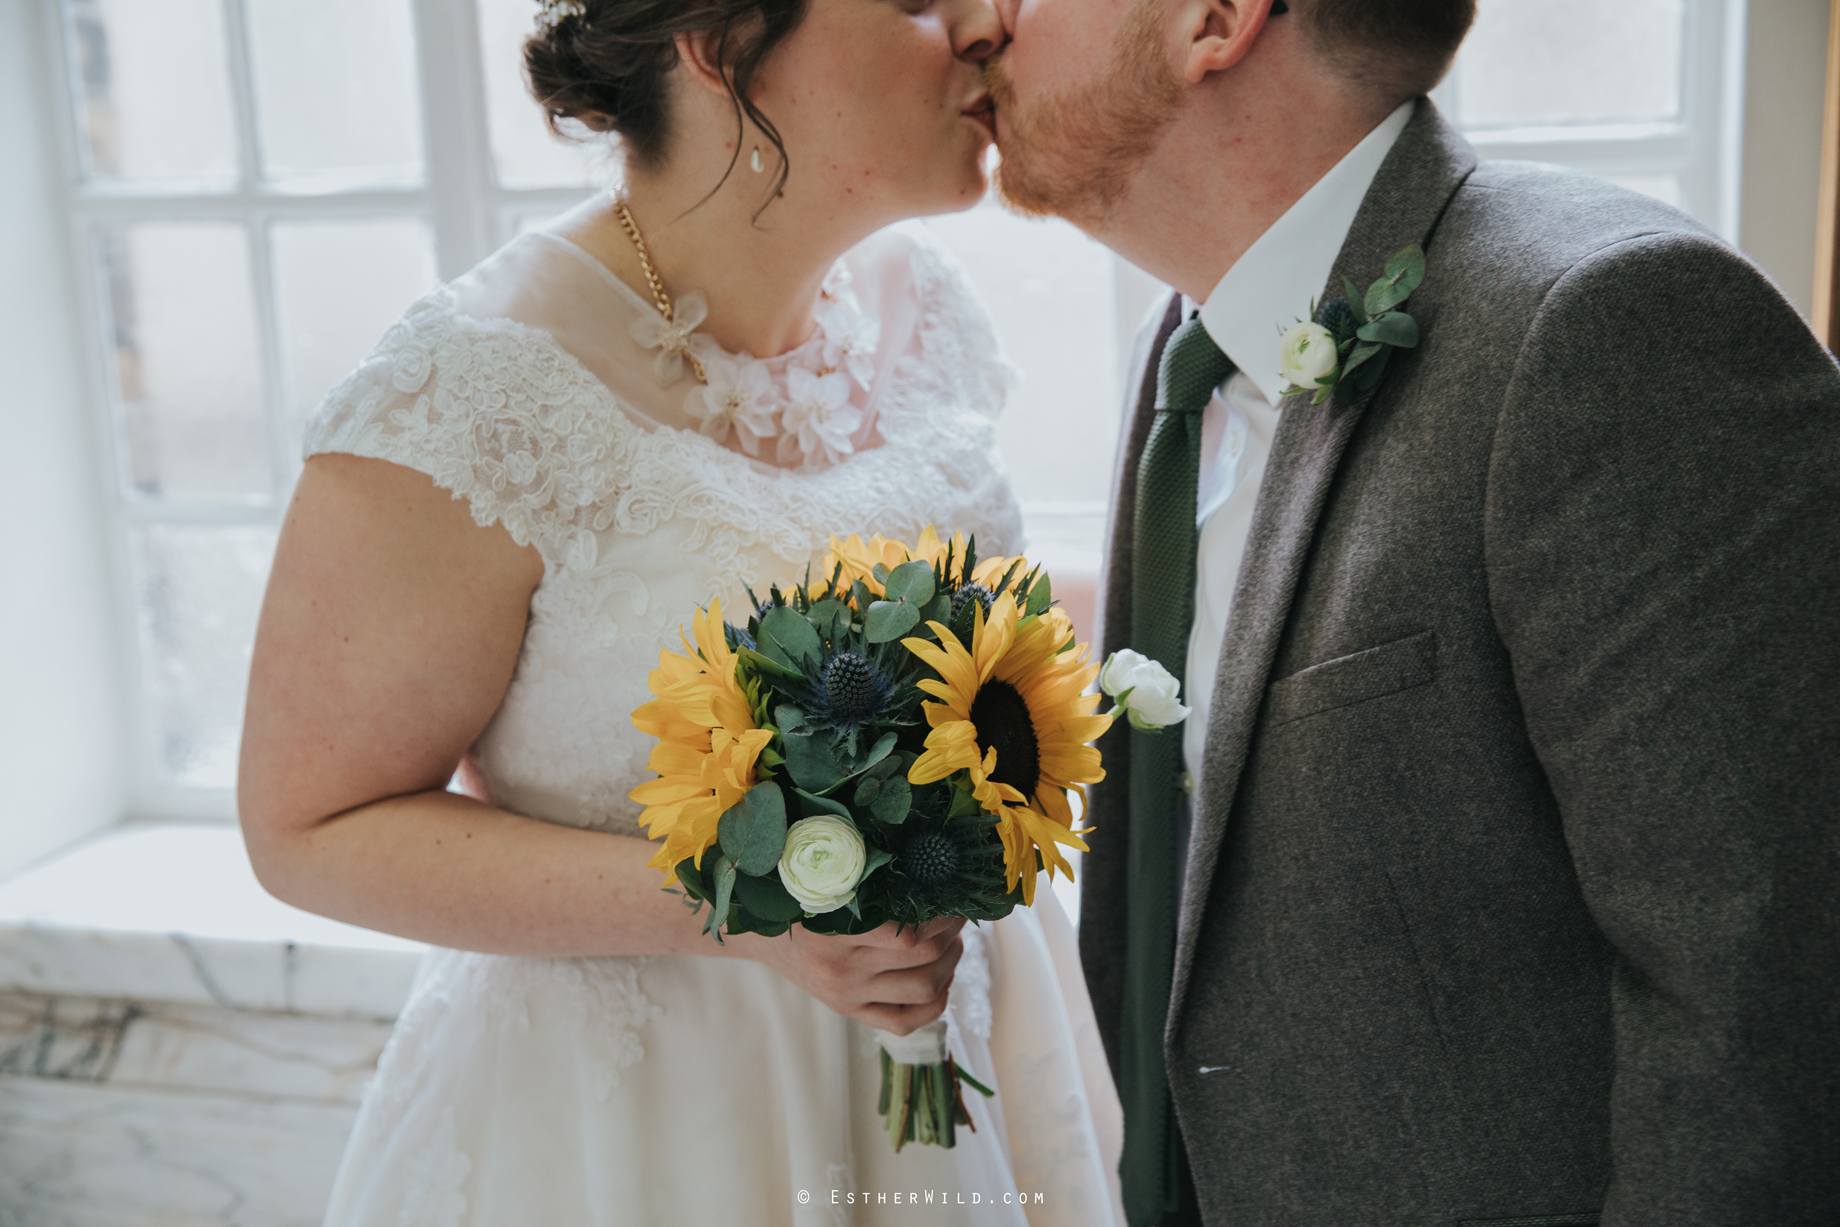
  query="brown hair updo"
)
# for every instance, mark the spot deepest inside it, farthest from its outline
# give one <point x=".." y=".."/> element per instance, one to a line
<point x="606" y="62"/>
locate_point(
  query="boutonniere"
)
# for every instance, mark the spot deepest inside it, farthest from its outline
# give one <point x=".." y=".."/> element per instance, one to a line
<point x="1351" y="338"/>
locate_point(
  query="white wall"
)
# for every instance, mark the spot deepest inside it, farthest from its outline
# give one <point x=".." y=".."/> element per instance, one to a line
<point x="1785" y="71"/>
<point x="60" y="728"/>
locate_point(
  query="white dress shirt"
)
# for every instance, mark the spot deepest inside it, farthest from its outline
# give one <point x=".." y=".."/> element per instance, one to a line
<point x="1267" y="290"/>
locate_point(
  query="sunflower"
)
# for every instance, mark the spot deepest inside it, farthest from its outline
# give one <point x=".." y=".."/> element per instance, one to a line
<point x="1014" y="715"/>
<point x="859" y="558"/>
<point x="707" y="743"/>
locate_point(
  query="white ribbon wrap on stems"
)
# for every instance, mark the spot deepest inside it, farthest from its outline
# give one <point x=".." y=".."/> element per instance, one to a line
<point x="922" y="1046"/>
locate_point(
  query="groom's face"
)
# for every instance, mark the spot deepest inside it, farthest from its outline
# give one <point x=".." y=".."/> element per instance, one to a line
<point x="1082" y="92"/>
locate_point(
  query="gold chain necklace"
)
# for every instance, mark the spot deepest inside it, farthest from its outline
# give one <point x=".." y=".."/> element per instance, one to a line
<point x="659" y="295"/>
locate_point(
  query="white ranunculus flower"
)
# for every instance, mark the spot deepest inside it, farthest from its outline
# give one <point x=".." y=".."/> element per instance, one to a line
<point x="1306" y="353"/>
<point x="1145" y="691"/>
<point x="822" y="862"/>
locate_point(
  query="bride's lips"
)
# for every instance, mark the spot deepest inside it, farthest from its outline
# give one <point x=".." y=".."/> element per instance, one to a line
<point x="984" y="112"/>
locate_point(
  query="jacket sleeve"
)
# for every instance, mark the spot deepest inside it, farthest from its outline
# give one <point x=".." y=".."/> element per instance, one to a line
<point x="1663" y="552"/>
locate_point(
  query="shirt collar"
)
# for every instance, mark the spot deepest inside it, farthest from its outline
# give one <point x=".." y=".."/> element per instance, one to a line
<point x="1270" y="287"/>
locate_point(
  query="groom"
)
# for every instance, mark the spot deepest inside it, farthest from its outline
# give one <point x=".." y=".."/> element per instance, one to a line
<point x="1495" y="878"/>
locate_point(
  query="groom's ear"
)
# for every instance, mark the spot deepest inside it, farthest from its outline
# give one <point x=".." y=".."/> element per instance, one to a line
<point x="1214" y="35"/>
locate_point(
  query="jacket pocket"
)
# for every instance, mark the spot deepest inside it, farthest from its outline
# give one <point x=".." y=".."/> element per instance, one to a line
<point x="1387" y="669"/>
<point x="1539" y="1220"/>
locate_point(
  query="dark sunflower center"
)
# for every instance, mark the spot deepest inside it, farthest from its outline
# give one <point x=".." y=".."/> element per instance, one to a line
<point x="849" y="682"/>
<point x="931" y="859"/>
<point x="1002" y="720"/>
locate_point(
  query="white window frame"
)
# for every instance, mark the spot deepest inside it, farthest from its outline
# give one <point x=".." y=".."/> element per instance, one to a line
<point x="470" y="213"/>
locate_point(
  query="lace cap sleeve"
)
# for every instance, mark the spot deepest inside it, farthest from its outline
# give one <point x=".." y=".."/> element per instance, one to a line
<point x="492" y="411"/>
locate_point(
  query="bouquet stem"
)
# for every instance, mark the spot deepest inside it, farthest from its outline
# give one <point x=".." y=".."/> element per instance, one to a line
<point x="922" y="1097"/>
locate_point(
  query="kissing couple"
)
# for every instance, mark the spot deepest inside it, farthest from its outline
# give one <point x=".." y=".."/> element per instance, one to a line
<point x="1487" y="515"/>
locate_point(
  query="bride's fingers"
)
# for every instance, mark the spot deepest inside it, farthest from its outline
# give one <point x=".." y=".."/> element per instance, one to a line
<point x="901" y="1019"/>
<point x="916" y="985"/>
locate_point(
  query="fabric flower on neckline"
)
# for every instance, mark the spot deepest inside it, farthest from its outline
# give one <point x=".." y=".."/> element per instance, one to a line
<point x="740" y="395"/>
<point x="850" y="338"/>
<point x="675" y="337"/>
<point x="818" y="418"/>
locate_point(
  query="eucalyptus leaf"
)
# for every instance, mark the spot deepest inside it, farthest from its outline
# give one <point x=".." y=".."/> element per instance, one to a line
<point x="889" y="620"/>
<point x="1358" y="357"/>
<point x="880" y="571"/>
<point x="911" y="582"/>
<point x="725" y="885"/>
<point x="867" y="790"/>
<point x="788" y="628"/>
<point x="810" y="805"/>
<point x="811" y="764"/>
<point x="1393" y="328"/>
<point x="884" y="745"/>
<point x="1354" y="301"/>
<point x="938" y="609"/>
<point x="1404" y="271"/>
<point x="752" y="831"/>
<point x="895" y="802"/>
<point x="767" y="898"/>
<point x="877" y="858"/>
<point x="788" y="717"/>
<point x="828" y="616"/>
<point x="1407" y="265"/>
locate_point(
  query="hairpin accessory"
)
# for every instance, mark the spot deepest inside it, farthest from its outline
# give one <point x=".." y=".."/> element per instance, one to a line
<point x="551" y="12"/>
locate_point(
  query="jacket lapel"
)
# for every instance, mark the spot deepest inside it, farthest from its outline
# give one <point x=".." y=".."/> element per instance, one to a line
<point x="1422" y="172"/>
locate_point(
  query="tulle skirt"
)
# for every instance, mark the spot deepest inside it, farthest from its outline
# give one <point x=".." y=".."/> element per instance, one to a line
<point x="693" y="1090"/>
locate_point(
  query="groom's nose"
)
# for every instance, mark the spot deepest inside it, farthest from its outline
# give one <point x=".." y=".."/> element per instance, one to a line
<point x="977" y="29"/>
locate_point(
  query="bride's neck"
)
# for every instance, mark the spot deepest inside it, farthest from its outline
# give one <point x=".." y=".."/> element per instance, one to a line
<point x="761" y="276"/>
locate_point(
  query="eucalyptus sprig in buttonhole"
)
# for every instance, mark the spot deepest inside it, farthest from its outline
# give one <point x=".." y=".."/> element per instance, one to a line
<point x="1350" y="339"/>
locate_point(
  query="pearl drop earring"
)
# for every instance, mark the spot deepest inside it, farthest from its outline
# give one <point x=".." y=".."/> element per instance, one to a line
<point x="754" y="161"/>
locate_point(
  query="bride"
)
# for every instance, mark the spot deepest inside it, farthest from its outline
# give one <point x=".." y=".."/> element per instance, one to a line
<point x="511" y="506"/>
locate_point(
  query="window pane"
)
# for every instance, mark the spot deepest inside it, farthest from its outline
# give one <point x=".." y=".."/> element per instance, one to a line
<point x="1051" y="292"/>
<point x="339" y="285"/>
<point x="523" y="149"/>
<point x="153" y="94"/>
<point x="1665" y="188"/>
<point x="337" y="98"/>
<point x="1570" y="61"/>
<point x="182" y="324"/>
<point x="198" y="589"/>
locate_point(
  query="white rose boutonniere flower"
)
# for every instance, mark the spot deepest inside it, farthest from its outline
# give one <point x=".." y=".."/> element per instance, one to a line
<point x="1348" y="340"/>
<point x="822" y="862"/>
<point x="1306" y="352"/>
<point x="1145" y="691"/>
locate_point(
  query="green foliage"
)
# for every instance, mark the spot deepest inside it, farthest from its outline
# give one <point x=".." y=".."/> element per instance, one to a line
<point x="753" y="830"/>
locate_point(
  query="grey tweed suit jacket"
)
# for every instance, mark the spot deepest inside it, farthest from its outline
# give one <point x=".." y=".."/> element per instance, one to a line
<point x="1514" y="889"/>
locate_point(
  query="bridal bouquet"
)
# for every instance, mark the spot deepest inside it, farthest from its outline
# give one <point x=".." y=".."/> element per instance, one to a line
<point x="894" y="740"/>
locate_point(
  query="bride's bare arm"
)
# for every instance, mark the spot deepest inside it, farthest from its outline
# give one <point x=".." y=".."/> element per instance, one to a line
<point x="388" y="637"/>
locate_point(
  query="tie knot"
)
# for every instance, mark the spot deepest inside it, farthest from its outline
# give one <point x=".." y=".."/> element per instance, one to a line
<point x="1192" y="368"/>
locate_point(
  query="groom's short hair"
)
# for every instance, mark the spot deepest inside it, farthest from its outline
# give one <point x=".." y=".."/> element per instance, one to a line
<point x="1398" y="49"/>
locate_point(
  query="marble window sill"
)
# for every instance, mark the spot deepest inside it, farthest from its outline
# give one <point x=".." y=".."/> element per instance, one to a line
<point x="173" y="913"/>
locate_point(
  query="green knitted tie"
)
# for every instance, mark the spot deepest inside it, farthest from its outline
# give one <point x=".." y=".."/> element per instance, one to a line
<point x="1162" y="609"/>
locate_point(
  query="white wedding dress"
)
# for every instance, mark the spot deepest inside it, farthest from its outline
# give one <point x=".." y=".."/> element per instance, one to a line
<point x="524" y="1092"/>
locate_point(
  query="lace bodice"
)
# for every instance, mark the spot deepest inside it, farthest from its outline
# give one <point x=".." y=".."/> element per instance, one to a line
<point x="545" y="424"/>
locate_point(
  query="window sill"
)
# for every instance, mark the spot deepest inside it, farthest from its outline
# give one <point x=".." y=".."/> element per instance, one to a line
<point x="173" y="913"/>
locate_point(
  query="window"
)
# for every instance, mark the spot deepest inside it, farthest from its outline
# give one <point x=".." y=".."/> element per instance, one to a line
<point x="256" y="188"/>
